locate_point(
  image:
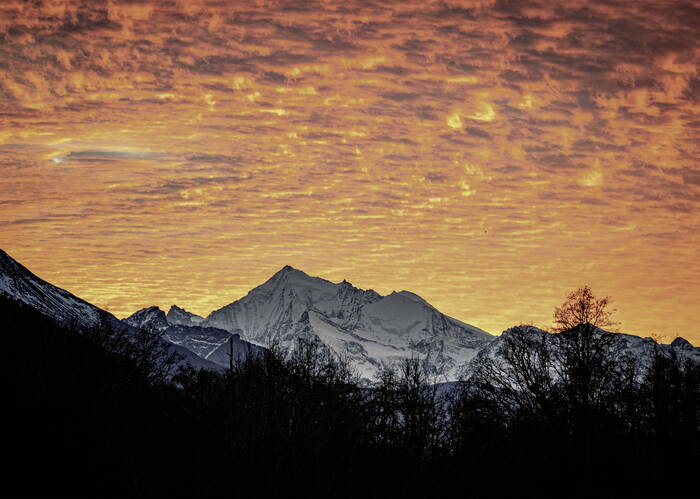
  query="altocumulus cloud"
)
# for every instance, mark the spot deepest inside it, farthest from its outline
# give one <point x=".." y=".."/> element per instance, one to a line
<point x="462" y="139"/>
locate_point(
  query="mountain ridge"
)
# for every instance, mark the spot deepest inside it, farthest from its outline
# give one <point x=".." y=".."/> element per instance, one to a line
<point x="371" y="330"/>
<point x="18" y="282"/>
<point x="211" y="344"/>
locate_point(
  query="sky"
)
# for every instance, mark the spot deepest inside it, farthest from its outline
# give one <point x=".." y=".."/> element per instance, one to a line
<point x="490" y="156"/>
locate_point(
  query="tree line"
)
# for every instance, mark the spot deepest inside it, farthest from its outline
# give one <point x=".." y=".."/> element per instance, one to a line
<point x="95" y="414"/>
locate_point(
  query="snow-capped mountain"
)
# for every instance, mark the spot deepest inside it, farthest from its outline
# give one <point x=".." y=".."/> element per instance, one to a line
<point x="16" y="281"/>
<point x="643" y="350"/>
<point x="210" y="343"/>
<point x="370" y="330"/>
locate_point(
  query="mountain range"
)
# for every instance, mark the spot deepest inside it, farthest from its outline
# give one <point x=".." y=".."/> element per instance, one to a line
<point x="210" y="343"/>
<point x="372" y="332"/>
<point x="66" y="309"/>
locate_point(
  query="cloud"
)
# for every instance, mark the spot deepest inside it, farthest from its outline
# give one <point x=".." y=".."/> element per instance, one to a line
<point x="98" y="156"/>
<point x="266" y="128"/>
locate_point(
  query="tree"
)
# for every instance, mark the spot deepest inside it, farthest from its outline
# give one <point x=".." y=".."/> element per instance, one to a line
<point x="659" y="338"/>
<point x="672" y="388"/>
<point x="149" y="354"/>
<point x="582" y="307"/>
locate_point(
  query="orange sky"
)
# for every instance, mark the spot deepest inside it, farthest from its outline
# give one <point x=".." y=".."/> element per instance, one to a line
<point x="488" y="156"/>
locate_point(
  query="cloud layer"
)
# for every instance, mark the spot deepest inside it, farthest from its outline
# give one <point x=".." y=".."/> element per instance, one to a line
<point x="489" y="156"/>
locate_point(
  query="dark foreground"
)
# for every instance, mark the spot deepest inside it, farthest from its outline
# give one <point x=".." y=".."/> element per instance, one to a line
<point x="86" y="421"/>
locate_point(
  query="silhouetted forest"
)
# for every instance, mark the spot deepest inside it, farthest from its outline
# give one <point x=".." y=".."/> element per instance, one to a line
<point x="89" y="416"/>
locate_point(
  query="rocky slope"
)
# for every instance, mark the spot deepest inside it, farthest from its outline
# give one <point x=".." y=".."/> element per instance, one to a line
<point x="212" y="344"/>
<point x="18" y="282"/>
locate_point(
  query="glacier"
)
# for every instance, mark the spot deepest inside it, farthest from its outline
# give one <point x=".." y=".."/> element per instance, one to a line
<point x="372" y="332"/>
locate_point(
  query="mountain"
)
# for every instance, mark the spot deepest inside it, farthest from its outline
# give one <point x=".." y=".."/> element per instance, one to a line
<point x="370" y="330"/>
<point x="641" y="349"/>
<point x="18" y="282"/>
<point x="177" y="327"/>
<point x="685" y="348"/>
<point x="177" y="315"/>
<point x="152" y="318"/>
<point x="66" y="309"/>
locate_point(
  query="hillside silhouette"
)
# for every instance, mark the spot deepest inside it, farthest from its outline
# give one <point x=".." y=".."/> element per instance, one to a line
<point x="90" y="421"/>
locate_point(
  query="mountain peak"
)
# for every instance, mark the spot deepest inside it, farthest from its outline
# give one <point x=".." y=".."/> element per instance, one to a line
<point x="291" y="275"/>
<point x="681" y="343"/>
<point x="148" y="318"/>
<point x="178" y="315"/>
<point x="288" y="270"/>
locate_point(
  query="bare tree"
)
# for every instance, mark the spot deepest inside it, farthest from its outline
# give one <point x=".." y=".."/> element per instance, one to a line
<point x="582" y="307"/>
<point x="519" y="378"/>
<point x="152" y="356"/>
<point x="659" y="338"/>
